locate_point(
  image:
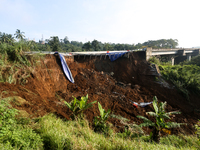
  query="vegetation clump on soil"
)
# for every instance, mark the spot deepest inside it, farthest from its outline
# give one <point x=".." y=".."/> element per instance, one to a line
<point x="15" y="132"/>
<point x="78" y="106"/>
<point x="186" y="76"/>
<point x="50" y="132"/>
<point x="15" y="66"/>
<point x="160" y="116"/>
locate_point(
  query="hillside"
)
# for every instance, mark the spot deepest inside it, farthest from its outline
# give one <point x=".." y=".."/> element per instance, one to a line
<point x="47" y="87"/>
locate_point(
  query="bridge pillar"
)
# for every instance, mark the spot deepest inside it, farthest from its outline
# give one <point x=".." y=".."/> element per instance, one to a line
<point x="172" y="58"/>
<point x="189" y="57"/>
<point x="181" y="52"/>
<point x="148" y="53"/>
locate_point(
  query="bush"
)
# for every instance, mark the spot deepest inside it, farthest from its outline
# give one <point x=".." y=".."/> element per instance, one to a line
<point x="100" y="124"/>
<point x="78" y="106"/>
<point x="154" y="60"/>
<point x="160" y="116"/>
<point x="186" y="78"/>
<point x="194" y="61"/>
<point x="14" y="134"/>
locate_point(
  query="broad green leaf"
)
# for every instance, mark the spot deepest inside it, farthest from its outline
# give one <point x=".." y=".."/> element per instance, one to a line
<point x="81" y="103"/>
<point x="101" y="109"/>
<point x="68" y="105"/>
<point x="106" y="114"/>
<point x="152" y="114"/>
<point x="119" y="117"/>
<point x="89" y="105"/>
<point x="74" y="102"/>
<point x="144" y="118"/>
<point x="164" y="105"/>
<point x="155" y="104"/>
<point x="173" y="112"/>
<point x="174" y="124"/>
<point x="146" y="124"/>
<point x="165" y="116"/>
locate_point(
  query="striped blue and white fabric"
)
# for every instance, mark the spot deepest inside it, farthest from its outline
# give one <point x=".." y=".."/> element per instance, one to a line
<point x="115" y="55"/>
<point x="65" y="68"/>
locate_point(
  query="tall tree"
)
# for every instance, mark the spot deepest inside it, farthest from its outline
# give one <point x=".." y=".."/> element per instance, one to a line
<point x="95" y="45"/>
<point x="54" y="43"/>
<point x="76" y="43"/>
<point x="66" y="40"/>
<point x="19" y="35"/>
<point x="162" y="43"/>
<point x="87" y="46"/>
<point x="6" y="38"/>
<point x="119" y="47"/>
<point x="107" y="47"/>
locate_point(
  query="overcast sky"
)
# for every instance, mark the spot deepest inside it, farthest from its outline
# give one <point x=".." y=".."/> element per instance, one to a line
<point x="115" y="21"/>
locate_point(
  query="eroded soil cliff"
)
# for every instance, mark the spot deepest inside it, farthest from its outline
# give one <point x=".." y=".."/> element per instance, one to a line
<point x="113" y="84"/>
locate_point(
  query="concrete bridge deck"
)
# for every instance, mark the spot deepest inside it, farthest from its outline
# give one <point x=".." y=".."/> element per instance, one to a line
<point x="188" y="52"/>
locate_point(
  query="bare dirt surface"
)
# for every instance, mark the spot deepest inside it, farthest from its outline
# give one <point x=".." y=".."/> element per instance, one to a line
<point x="132" y="80"/>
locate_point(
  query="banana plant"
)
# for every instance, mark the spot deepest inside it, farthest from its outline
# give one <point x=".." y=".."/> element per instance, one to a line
<point x="160" y="116"/>
<point x="72" y="105"/>
<point x="100" y="121"/>
<point x="78" y="106"/>
<point x="82" y="104"/>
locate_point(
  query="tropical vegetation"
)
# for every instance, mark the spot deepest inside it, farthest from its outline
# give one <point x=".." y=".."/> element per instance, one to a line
<point x="54" y="43"/>
<point x="51" y="132"/>
<point x="184" y="76"/>
<point x="78" y="106"/>
<point x="160" y="116"/>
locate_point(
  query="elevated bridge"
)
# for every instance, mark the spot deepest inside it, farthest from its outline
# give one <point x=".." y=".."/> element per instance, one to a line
<point x="178" y="54"/>
<point x="173" y="53"/>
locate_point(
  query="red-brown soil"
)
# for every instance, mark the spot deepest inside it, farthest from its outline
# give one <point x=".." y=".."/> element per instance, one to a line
<point x="131" y="80"/>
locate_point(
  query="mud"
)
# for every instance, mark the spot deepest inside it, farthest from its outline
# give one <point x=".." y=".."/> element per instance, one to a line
<point x="112" y="84"/>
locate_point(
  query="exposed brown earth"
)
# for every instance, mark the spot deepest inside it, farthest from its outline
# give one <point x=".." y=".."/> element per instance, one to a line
<point x="132" y="80"/>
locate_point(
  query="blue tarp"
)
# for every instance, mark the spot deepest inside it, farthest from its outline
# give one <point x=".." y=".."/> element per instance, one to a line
<point x="65" y="68"/>
<point x="115" y="55"/>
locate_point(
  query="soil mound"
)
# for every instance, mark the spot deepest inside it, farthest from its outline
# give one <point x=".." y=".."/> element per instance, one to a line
<point x="113" y="84"/>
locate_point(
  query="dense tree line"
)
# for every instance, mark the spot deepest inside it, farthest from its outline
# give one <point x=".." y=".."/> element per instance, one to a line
<point x="64" y="45"/>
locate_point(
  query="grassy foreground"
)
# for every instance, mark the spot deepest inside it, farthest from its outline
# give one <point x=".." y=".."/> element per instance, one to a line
<point x="53" y="133"/>
<point x="58" y="134"/>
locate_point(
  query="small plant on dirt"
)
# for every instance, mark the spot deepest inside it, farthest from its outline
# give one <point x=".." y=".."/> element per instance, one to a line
<point x="100" y="121"/>
<point x="78" y="106"/>
<point x="160" y="123"/>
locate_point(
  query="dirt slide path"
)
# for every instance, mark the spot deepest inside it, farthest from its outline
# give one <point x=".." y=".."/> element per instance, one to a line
<point x="131" y="81"/>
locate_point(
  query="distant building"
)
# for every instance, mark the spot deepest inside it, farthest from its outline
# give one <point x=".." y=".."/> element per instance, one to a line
<point x="41" y="42"/>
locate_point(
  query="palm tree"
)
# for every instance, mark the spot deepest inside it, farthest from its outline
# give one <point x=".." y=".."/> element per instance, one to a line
<point x="6" y="38"/>
<point x="160" y="123"/>
<point x="19" y="35"/>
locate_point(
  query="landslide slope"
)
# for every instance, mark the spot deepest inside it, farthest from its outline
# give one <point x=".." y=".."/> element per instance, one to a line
<point x="47" y="87"/>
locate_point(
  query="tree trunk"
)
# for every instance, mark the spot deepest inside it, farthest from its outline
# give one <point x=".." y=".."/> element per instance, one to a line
<point x="156" y="135"/>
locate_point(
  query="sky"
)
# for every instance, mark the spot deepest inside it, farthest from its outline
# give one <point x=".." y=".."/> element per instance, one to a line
<point x="110" y="21"/>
